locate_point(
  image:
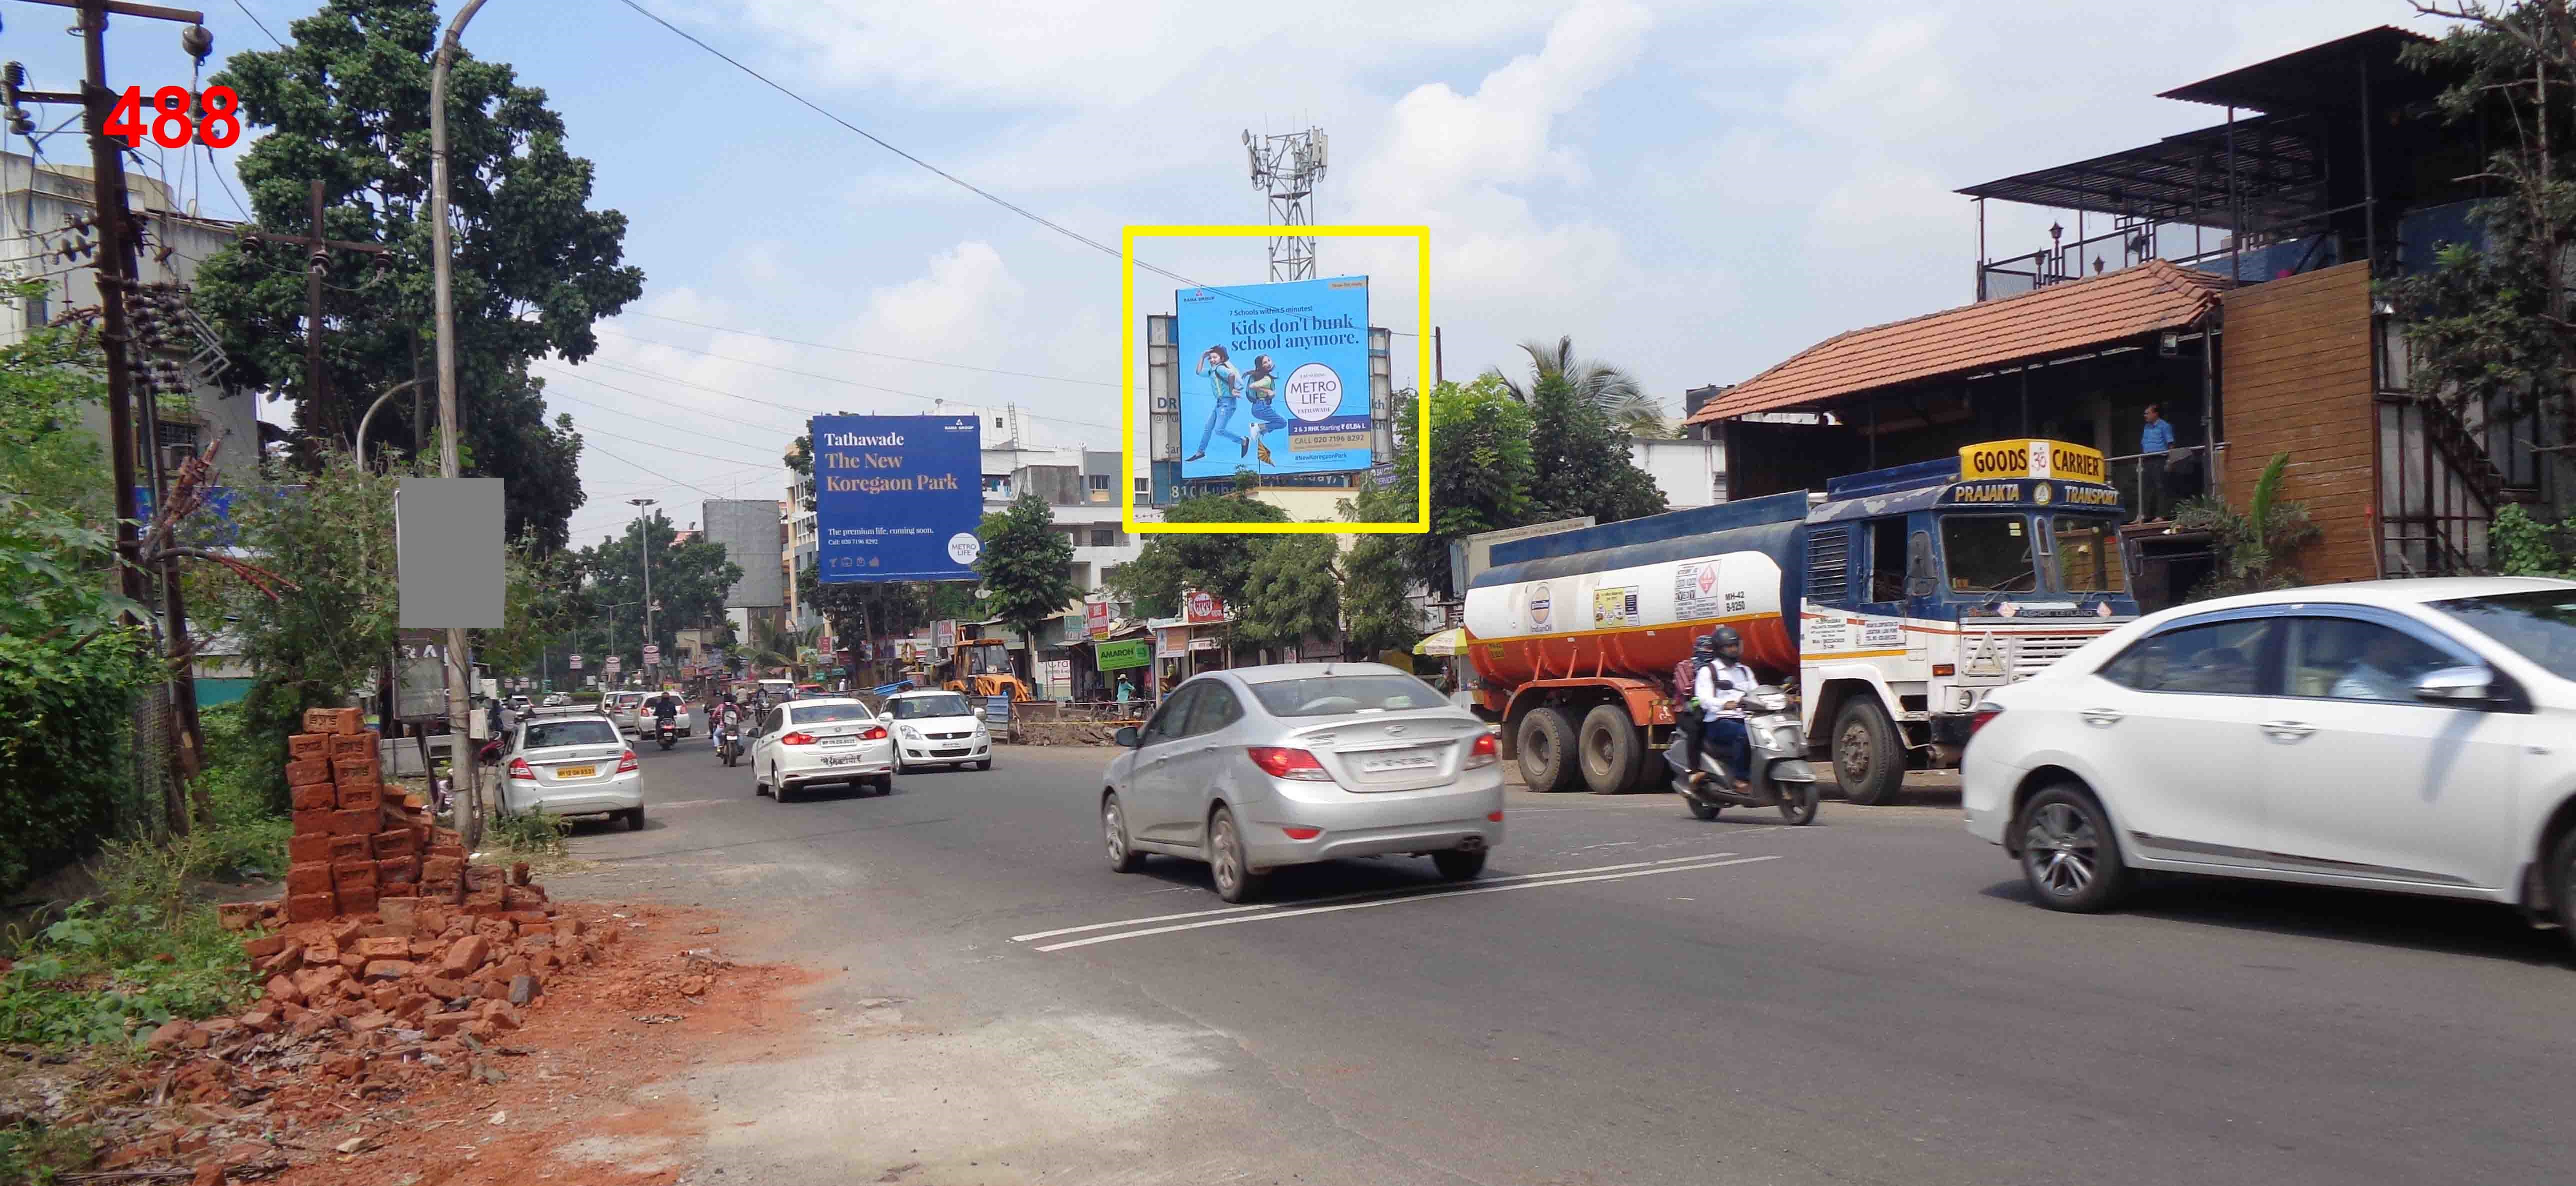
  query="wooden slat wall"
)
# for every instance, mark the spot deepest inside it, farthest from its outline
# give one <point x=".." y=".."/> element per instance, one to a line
<point x="2295" y="369"/>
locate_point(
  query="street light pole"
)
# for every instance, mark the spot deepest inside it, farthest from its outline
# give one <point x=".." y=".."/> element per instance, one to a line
<point x="644" y="549"/>
<point x="460" y="706"/>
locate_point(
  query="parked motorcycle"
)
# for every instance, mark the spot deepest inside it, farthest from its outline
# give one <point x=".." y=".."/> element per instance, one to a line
<point x="666" y="732"/>
<point x="1780" y="776"/>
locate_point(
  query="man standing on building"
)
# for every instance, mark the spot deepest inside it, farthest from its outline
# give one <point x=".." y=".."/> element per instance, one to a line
<point x="2154" y="442"/>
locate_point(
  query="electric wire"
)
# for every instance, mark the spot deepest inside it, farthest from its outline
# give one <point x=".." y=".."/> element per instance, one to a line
<point x="826" y="379"/>
<point x="867" y="353"/>
<point x="254" y="19"/>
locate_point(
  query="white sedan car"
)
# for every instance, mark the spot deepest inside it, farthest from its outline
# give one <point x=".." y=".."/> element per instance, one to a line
<point x="827" y="739"/>
<point x="2416" y="736"/>
<point x="934" y="728"/>
<point x="572" y="764"/>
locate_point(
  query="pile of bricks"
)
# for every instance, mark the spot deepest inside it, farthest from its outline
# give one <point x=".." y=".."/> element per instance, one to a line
<point x="359" y="840"/>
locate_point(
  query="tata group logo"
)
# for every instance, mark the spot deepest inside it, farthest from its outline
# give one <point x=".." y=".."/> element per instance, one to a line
<point x="861" y="440"/>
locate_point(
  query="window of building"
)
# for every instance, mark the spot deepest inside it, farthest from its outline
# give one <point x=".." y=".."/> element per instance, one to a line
<point x="1095" y="482"/>
<point x="1145" y="488"/>
<point x="1106" y="537"/>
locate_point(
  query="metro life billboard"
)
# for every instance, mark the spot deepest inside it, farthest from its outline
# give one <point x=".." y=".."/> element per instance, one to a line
<point x="1275" y="378"/>
<point x="897" y="498"/>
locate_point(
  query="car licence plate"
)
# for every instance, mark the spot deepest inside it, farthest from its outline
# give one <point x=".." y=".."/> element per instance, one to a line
<point x="839" y="742"/>
<point x="841" y="759"/>
<point x="575" y="771"/>
<point x="1396" y="765"/>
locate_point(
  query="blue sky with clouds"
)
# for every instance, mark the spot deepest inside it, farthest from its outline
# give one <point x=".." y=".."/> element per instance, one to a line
<point x="1692" y="190"/>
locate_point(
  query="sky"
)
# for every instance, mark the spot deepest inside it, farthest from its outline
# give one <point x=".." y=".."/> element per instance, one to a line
<point x="1692" y="191"/>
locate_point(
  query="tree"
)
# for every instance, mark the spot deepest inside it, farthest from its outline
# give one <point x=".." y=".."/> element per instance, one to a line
<point x="1377" y="607"/>
<point x="2254" y="547"/>
<point x="2494" y="324"/>
<point x="1614" y="392"/>
<point x="1582" y="463"/>
<point x="689" y="580"/>
<point x="1482" y="465"/>
<point x="1292" y="592"/>
<point x="1219" y="564"/>
<point x="1027" y="565"/>
<point x="348" y="103"/>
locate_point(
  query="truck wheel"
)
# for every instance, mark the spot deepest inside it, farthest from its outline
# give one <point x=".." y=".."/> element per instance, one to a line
<point x="1548" y="762"/>
<point x="1869" y="758"/>
<point x="1610" y="749"/>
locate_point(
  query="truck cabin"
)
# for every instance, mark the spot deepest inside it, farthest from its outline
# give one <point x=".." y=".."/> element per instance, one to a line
<point x="1928" y="541"/>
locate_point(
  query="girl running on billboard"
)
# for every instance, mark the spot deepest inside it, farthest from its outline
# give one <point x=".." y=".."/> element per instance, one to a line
<point x="1261" y="389"/>
<point x="1225" y="385"/>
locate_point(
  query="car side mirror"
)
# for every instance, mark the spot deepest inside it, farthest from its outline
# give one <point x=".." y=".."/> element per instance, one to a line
<point x="1129" y="738"/>
<point x="2459" y="687"/>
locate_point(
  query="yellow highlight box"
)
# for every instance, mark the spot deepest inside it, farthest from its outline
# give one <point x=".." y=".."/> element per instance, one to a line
<point x="1421" y="236"/>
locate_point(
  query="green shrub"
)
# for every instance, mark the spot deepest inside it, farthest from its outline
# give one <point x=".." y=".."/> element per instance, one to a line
<point x="2522" y="546"/>
<point x="243" y="833"/>
<point x="40" y="1155"/>
<point x="530" y="833"/>
<point x="103" y="974"/>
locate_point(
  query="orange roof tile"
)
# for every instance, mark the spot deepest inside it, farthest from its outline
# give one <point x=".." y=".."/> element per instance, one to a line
<point x="2093" y="311"/>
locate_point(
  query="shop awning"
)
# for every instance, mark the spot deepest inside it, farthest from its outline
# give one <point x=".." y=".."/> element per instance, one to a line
<point x="1448" y="642"/>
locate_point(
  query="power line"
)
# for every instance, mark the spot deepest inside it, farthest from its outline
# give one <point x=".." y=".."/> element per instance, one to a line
<point x="664" y="402"/>
<point x="944" y="174"/>
<point x="819" y="377"/>
<point x="588" y="429"/>
<point x="853" y="350"/>
<point x="254" y="19"/>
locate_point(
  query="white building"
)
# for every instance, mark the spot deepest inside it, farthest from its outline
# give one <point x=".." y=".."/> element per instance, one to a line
<point x="1691" y="473"/>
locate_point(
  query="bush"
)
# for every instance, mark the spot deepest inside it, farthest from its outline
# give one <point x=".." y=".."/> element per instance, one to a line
<point x="2522" y="546"/>
<point x="243" y="834"/>
<point x="103" y="974"/>
<point x="531" y="833"/>
<point x="40" y="1155"/>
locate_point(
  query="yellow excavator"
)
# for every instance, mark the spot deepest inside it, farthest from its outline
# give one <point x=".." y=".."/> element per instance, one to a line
<point x="981" y="667"/>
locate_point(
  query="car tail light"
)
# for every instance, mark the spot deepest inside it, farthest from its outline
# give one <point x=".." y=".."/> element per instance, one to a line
<point x="1495" y="816"/>
<point x="1483" y="752"/>
<point x="1302" y="833"/>
<point x="796" y="739"/>
<point x="1984" y="713"/>
<point x="626" y="762"/>
<point x="1281" y="762"/>
<point x="519" y="768"/>
<point x="873" y="733"/>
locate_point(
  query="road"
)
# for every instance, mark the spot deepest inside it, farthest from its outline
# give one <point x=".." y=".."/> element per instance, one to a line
<point x="1631" y="996"/>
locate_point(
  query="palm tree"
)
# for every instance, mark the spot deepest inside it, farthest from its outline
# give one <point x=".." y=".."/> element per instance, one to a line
<point x="1600" y="384"/>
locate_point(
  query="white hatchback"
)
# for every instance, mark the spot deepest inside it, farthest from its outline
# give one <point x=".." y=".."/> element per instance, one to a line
<point x="805" y="743"/>
<point x="935" y="728"/>
<point x="572" y="764"/>
<point x="2416" y="736"/>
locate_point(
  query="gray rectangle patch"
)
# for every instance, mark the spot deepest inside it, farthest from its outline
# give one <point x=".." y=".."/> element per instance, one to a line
<point x="450" y="539"/>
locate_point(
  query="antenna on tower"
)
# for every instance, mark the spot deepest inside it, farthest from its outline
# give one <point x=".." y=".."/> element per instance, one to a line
<point x="1287" y="168"/>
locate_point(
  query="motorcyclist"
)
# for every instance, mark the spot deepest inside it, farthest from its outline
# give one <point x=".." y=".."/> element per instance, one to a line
<point x="1718" y="688"/>
<point x="1686" y="713"/>
<point x="665" y="707"/>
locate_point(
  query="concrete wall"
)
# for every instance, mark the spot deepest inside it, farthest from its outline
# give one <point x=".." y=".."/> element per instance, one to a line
<point x="1690" y="473"/>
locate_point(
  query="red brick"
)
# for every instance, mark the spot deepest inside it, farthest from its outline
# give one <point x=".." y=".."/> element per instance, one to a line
<point x="349" y="848"/>
<point x="361" y="744"/>
<point x="359" y="874"/>
<point x="314" y="822"/>
<point x="282" y="989"/>
<point x="356" y="823"/>
<point x="383" y="970"/>
<point x="448" y="1024"/>
<point x="308" y="772"/>
<point x="357" y="901"/>
<point x="321" y="952"/>
<point x="384" y="949"/>
<point x="525" y="899"/>
<point x="400" y="890"/>
<point x="401" y="918"/>
<point x="333" y="720"/>
<point x="261" y="1018"/>
<point x="353" y="795"/>
<point x="397" y="843"/>
<point x="317" y="796"/>
<point x="309" y="878"/>
<point x="308" y="745"/>
<point x="443" y="988"/>
<point x="284" y="961"/>
<point x="348" y="931"/>
<point x="309" y="907"/>
<point x="358" y="769"/>
<point x="464" y="956"/>
<point x="319" y="984"/>
<point x="479" y="878"/>
<point x="308" y="846"/>
<point x="370" y="1022"/>
<point x="396" y="871"/>
<point x="438" y="870"/>
<point x="263" y="947"/>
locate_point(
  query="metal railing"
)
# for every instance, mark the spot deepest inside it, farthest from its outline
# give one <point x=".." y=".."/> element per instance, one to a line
<point x="2129" y="470"/>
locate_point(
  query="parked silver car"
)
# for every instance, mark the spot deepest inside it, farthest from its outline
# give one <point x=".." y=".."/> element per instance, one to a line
<point x="1261" y="767"/>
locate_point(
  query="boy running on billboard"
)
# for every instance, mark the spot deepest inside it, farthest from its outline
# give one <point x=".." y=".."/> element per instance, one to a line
<point x="1261" y="388"/>
<point x="1224" y="384"/>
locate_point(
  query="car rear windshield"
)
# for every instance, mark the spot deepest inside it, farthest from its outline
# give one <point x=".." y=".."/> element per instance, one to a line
<point x="824" y="714"/>
<point x="2539" y="625"/>
<point x="1333" y="695"/>
<point x="543" y="734"/>
<point x="913" y="708"/>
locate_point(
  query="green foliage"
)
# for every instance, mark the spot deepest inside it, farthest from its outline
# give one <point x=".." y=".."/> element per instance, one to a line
<point x="544" y="599"/>
<point x="880" y="609"/>
<point x="348" y="103"/>
<point x="243" y="831"/>
<point x="1483" y="467"/>
<point x="531" y="833"/>
<point x="103" y="973"/>
<point x="2495" y="326"/>
<point x="1292" y="592"/>
<point x="1219" y="564"/>
<point x="1583" y="467"/>
<point x="39" y="1154"/>
<point x="67" y="668"/>
<point x="1376" y="613"/>
<point x="2522" y="546"/>
<point x="1027" y="564"/>
<point x="1614" y="393"/>
<point x="2253" y="547"/>
<point x="689" y="579"/>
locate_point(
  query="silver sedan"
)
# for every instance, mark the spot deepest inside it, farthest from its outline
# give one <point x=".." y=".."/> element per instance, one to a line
<point x="1261" y="767"/>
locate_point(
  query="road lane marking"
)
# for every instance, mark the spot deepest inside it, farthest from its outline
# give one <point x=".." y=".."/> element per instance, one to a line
<point x="1352" y="897"/>
<point x="1488" y="889"/>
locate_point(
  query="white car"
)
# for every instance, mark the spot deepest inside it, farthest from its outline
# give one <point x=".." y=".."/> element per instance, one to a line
<point x="2416" y="736"/>
<point x="826" y="739"/>
<point x="621" y="706"/>
<point x="572" y="764"/>
<point x="935" y="728"/>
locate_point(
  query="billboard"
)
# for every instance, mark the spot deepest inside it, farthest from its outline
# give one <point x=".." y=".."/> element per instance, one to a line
<point x="1274" y="378"/>
<point x="748" y="529"/>
<point x="897" y="498"/>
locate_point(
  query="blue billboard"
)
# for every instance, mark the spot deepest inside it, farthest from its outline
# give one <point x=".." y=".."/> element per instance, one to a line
<point x="1277" y="379"/>
<point x="897" y="498"/>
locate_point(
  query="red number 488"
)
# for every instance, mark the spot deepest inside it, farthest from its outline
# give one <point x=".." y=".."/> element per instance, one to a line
<point x="172" y="125"/>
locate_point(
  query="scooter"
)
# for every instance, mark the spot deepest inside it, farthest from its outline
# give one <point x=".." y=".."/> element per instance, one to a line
<point x="667" y="733"/>
<point x="728" y="746"/>
<point x="1780" y="776"/>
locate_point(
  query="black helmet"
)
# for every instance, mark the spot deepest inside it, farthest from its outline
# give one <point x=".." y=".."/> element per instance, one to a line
<point x="1725" y="639"/>
<point x="1704" y="646"/>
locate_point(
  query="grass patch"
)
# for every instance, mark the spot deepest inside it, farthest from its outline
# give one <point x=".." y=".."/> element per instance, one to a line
<point x="105" y="971"/>
<point x="41" y="1155"/>
<point x="530" y="834"/>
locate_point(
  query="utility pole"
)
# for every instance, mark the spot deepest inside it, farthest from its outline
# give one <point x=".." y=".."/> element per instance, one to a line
<point x="459" y="656"/>
<point x="317" y="261"/>
<point x="1286" y="168"/>
<point x="1439" y="367"/>
<point x="644" y="551"/>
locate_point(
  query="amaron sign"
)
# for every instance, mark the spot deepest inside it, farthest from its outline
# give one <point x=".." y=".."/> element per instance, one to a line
<point x="897" y="498"/>
<point x="1274" y="378"/>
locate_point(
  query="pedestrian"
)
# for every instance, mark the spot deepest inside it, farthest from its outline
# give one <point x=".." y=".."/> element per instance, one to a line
<point x="493" y="707"/>
<point x="1126" y="691"/>
<point x="2155" y="441"/>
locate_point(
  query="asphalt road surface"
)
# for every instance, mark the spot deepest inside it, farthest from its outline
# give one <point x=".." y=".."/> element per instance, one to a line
<point x="1629" y="996"/>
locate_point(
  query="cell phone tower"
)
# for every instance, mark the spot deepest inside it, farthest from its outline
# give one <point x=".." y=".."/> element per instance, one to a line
<point x="1287" y="168"/>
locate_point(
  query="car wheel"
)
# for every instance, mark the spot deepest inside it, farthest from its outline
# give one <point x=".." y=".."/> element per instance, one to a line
<point x="634" y="819"/>
<point x="1232" y="870"/>
<point x="1703" y="810"/>
<point x="1869" y="757"/>
<point x="2562" y="882"/>
<point x="2068" y="852"/>
<point x="1459" y="866"/>
<point x="986" y="764"/>
<point x="1123" y="857"/>
<point x="777" y="787"/>
<point x="1610" y="749"/>
<point x="1547" y="752"/>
